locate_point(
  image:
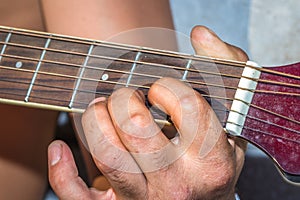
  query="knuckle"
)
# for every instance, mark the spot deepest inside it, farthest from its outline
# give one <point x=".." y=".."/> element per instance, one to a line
<point x="223" y="177"/>
<point x="191" y="104"/>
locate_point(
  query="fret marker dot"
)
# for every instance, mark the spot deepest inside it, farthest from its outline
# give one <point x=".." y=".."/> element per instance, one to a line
<point x="19" y="64"/>
<point x="104" y="77"/>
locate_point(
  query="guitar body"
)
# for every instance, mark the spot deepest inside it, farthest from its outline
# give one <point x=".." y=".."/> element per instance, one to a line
<point x="277" y="130"/>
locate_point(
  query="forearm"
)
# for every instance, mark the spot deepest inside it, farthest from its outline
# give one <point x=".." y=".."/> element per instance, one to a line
<point x="100" y="19"/>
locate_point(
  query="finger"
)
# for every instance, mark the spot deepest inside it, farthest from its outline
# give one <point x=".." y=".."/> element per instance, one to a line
<point x="109" y="154"/>
<point x="138" y="131"/>
<point x="199" y="128"/>
<point x="207" y="43"/>
<point x="63" y="175"/>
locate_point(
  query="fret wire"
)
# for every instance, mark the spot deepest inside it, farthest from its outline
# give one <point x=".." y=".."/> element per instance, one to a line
<point x="37" y="70"/>
<point x="187" y="67"/>
<point x="5" y="44"/>
<point x="168" y="66"/>
<point x="130" y="47"/>
<point x="78" y="80"/>
<point x="137" y="57"/>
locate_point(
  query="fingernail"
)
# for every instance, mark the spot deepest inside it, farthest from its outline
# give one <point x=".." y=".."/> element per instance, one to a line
<point x="99" y="99"/>
<point x="55" y="153"/>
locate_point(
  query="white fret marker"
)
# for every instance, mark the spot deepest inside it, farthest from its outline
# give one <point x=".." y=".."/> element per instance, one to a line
<point x="243" y="98"/>
<point x="104" y="77"/>
<point x="19" y="64"/>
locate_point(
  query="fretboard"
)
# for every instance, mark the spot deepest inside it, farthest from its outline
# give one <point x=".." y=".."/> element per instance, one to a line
<point x="66" y="73"/>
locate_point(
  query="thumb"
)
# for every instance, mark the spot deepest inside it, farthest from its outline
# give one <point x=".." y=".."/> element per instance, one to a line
<point x="63" y="175"/>
<point x="207" y="43"/>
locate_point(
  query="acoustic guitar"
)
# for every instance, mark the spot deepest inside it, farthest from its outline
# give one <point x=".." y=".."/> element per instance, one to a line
<point x="258" y="104"/>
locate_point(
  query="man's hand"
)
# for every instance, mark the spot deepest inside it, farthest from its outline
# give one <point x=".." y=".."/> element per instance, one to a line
<point x="135" y="156"/>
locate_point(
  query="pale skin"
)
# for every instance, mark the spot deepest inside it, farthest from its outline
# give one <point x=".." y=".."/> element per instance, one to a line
<point x="212" y="175"/>
<point x="25" y="133"/>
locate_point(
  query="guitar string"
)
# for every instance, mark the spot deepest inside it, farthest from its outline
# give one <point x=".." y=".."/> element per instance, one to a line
<point x="85" y="41"/>
<point x="154" y="76"/>
<point x="273" y="135"/>
<point x="83" y="104"/>
<point x="266" y="122"/>
<point x="273" y="124"/>
<point x="162" y="65"/>
<point x="97" y="80"/>
<point x="142" y="86"/>
<point x="116" y="71"/>
<point x="107" y="94"/>
<point x="135" y="85"/>
<point x="144" y="50"/>
<point x="69" y="39"/>
<point x="274" y="113"/>
<point x="114" y="59"/>
<point x="272" y="71"/>
<point x="54" y="74"/>
<point x="147" y="87"/>
<point x="222" y="122"/>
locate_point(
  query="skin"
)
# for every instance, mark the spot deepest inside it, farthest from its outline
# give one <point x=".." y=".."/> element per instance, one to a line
<point x="118" y="134"/>
<point x="26" y="133"/>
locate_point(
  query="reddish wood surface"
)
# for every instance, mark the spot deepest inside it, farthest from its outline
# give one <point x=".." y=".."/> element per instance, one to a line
<point x="279" y="137"/>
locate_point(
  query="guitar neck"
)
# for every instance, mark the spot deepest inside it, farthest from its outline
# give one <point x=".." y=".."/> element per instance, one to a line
<point x="65" y="73"/>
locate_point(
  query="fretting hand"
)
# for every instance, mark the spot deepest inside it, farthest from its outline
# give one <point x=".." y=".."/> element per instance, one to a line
<point x="135" y="156"/>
